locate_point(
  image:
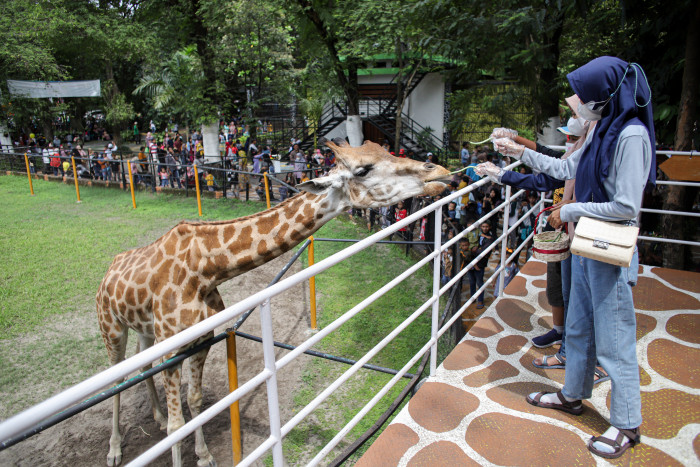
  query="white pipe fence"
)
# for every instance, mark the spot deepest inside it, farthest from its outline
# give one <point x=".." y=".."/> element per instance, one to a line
<point x="278" y="430"/>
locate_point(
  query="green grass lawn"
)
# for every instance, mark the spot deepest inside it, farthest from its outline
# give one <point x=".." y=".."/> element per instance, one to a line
<point x="57" y="251"/>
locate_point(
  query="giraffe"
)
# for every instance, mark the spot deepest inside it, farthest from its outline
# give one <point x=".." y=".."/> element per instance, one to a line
<point x="160" y="289"/>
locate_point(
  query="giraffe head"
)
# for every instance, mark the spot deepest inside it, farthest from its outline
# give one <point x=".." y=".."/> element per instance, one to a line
<point x="368" y="176"/>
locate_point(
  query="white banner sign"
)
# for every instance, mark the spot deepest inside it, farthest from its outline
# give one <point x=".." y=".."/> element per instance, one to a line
<point x="54" y="88"/>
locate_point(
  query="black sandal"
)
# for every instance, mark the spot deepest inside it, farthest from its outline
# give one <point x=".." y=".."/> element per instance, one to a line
<point x="619" y="449"/>
<point x="573" y="407"/>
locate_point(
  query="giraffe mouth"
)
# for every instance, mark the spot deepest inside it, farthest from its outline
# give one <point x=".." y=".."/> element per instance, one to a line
<point x="433" y="188"/>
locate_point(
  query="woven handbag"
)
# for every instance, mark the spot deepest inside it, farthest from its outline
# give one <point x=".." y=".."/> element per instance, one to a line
<point x="550" y="246"/>
<point x="605" y="241"/>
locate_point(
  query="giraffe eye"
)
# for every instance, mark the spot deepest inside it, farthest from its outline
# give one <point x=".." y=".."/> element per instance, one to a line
<point x="362" y="171"/>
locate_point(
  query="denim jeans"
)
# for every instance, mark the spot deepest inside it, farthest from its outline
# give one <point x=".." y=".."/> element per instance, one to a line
<point x="476" y="280"/>
<point x="601" y="322"/>
<point x="565" y="292"/>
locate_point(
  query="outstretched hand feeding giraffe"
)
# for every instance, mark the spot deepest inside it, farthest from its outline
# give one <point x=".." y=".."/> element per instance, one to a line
<point x="160" y="289"/>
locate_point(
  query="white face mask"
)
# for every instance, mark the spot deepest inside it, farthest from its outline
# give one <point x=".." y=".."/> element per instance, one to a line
<point x="577" y="126"/>
<point x="587" y="111"/>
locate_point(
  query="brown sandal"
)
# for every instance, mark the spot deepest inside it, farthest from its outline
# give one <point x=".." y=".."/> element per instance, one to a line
<point x="619" y="449"/>
<point x="573" y="407"/>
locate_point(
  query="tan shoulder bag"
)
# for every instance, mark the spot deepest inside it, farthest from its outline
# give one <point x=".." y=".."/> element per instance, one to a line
<point x="605" y="241"/>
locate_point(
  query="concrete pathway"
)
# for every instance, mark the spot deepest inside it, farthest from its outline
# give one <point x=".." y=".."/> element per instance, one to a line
<point x="473" y="412"/>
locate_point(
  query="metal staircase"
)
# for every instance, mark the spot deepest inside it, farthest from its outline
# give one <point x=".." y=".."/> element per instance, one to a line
<point x="379" y="112"/>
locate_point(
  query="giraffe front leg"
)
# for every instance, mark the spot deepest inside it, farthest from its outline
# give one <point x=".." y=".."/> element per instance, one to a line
<point x="171" y="381"/>
<point x="114" y="457"/>
<point x="194" y="401"/>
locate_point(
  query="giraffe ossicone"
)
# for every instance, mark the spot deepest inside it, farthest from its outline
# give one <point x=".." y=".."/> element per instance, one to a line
<point x="165" y="287"/>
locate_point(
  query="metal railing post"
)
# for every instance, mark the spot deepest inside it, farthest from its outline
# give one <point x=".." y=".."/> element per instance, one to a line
<point x="272" y="396"/>
<point x="504" y="242"/>
<point x="437" y="244"/>
<point x="312" y="285"/>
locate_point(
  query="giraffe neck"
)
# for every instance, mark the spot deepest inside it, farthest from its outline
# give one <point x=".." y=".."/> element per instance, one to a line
<point x="226" y="249"/>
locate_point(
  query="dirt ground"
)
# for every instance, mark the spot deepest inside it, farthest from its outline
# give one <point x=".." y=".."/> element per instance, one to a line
<point x="83" y="440"/>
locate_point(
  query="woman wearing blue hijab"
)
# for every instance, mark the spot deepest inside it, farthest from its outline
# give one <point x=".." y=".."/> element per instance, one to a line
<point x="612" y="168"/>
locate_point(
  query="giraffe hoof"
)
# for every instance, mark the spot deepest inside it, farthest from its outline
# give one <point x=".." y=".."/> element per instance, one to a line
<point x="206" y="462"/>
<point x="114" y="460"/>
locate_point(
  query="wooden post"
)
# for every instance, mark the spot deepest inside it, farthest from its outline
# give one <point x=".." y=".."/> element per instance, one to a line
<point x="131" y="184"/>
<point x="75" y="177"/>
<point x="267" y="190"/>
<point x="234" y="410"/>
<point x="199" y="194"/>
<point x="29" y="174"/>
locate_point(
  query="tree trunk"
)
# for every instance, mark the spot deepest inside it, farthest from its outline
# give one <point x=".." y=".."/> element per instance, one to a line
<point x="680" y="198"/>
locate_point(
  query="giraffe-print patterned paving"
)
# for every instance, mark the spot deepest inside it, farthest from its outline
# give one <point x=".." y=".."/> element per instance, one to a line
<point x="473" y="412"/>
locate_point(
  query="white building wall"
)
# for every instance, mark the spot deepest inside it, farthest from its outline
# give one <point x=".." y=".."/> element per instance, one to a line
<point x="426" y="104"/>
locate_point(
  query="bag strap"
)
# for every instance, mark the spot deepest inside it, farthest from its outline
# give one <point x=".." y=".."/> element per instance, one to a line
<point x="537" y="219"/>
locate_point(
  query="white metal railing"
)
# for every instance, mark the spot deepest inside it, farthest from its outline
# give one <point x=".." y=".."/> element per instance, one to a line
<point x="83" y="390"/>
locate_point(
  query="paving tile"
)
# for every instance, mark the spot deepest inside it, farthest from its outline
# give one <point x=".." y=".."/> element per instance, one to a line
<point x="540" y="283"/>
<point x="512" y="395"/>
<point x="516" y="287"/>
<point x="390" y="446"/>
<point x="440" y="407"/>
<point x="534" y="268"/>
<point x="685" y="327"/>
<point x="643" y="454"/>
<point x="510" y="344"/>
<point x="651" y="294"/>
<point x="645" y="324"/>
<point x="545" y="321"/>
<point x="466" y="355"/>
<point x="499" y="369"/>
<point x="485" y="327"/>
<point x="543" y="302"/>
<point x="515" y="313"/>
<point x="507" y="440"/>
<point x="440" y="454"/>
<point x="533" y="353"/>
<point x="685" y="280"/>
<point x="659" y="421"/>
<point x="675" y="362"/>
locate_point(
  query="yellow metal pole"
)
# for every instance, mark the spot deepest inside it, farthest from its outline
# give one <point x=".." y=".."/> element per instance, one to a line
<point x="29" y="174"/>
<point x="131" y="184"/>
<point x="312" y="285"/>
<point x="267" y="190"/>
<point x="232" y="386"/>
<point x="75" y="177"/>
<point x="199" y="195"/>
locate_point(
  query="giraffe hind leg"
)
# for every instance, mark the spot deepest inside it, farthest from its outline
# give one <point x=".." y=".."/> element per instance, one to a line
<point x="160" y="418"/>
<point x="194" y="402"/>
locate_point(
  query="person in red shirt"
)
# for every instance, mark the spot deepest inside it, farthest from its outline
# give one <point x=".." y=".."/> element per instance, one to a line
<point x="401" y="213"/>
